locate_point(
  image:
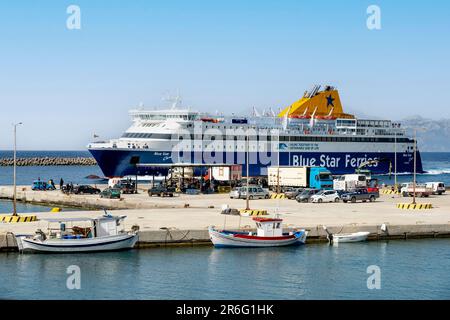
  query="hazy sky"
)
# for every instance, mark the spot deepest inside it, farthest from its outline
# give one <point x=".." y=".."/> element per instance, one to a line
<point x="220" y="54"/>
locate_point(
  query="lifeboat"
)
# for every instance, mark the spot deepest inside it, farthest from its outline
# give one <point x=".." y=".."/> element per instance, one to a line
<point x="211" y="120"/>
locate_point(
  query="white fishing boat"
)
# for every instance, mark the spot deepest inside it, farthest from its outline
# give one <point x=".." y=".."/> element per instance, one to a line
<point x="335" y="238"/>
<point x="350" y="237"/>
<point x="104" y="233"/>
<point x="269" y="234"/>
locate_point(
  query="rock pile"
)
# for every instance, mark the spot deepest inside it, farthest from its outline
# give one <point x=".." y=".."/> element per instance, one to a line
<point x="48" y="161"/>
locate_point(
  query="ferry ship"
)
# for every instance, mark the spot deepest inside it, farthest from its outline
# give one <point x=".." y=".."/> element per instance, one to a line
<point x="313" y="131"/>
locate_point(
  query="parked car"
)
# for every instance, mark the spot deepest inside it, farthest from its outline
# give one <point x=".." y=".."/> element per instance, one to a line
<point x="306" y="195"/>
<point x="126" y="187"/>
<point x="326" y="196"/>
<point x="436" y="187"/>
<point x="292" y="193"/>
<point x="235" y="193"/>
<point x="161" y="191"/>
<point x="359" y="195"/>
<point x="85" y="189"/>
<point x="255" y="192"/>
<point x="110" y="193"/>
<point x="41" y="186"/>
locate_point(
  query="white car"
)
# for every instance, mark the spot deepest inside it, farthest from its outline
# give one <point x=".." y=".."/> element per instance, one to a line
<point x="235" y="194"/>
<point x="326" y="196"/>
<point x="436" y="187"/>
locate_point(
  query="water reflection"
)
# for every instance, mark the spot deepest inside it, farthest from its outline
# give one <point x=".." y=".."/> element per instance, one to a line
<point x="409" y="269"/>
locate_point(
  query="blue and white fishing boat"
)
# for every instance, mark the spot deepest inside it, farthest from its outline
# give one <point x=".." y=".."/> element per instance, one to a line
<point x="102" y="234"/>
<point x="269" y="234"/>
<point x="313" y="131"/>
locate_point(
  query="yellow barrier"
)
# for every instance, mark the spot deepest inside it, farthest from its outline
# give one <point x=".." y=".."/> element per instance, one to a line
<point x="224" y="189"/>
<point x="253" y="213"/>
<point x="278" y="196"/>
<point x="412" y="206"/>
<point x="17" y="219"/>
<point x="56" y="210"/>
<point x="387" y="191"/>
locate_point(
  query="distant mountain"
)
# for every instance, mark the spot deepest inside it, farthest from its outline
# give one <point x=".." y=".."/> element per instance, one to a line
<point x="435" y="138"/>
<point x="436" y="134"/>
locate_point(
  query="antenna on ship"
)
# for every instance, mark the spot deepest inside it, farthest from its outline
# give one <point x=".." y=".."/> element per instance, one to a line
<point x="176" y="101"/>
<point x="255" y="113"/>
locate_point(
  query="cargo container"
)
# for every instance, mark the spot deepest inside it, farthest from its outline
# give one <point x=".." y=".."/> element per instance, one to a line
<point x="301" y="177"/>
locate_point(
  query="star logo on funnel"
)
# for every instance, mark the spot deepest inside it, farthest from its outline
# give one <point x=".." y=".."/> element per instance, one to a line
<point x="330" y="101"/>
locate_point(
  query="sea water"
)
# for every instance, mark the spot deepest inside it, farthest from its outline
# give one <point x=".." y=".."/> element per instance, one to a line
<point x="401" y="269"/>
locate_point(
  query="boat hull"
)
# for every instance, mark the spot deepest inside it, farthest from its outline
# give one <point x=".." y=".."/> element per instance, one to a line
<point x="351" y="237"/>
<point x="109" y="243"/>
<point x="222" y="239"/>
<point x="118" y="162"/>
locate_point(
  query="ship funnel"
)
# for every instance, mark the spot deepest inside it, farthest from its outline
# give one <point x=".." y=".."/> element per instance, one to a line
<point x="326" y="103"/>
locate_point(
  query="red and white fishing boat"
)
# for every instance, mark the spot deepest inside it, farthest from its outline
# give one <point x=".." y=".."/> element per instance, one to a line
<point x="269" y="234"/>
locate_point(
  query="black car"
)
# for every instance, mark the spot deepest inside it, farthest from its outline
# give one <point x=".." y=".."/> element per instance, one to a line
<point x="126" y="187"/>
<point x="359" y="195"/>
<point x="85" y="189"/>
<point x="161" y="191"/>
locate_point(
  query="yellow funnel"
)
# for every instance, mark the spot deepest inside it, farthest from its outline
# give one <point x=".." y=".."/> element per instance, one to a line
<point x="324" y="102"/>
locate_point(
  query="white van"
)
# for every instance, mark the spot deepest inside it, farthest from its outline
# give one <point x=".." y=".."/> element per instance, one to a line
<point x="437" y="187"/>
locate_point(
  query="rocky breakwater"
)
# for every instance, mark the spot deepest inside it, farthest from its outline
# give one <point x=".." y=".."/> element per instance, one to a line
<point x="48" y="161"/>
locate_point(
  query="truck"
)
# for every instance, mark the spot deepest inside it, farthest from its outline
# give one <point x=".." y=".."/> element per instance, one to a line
<point x="360" y="195"/>
<point x="349" y="182"/>
<point x="230" y="173"/>
<point x="421" y="190"/>
<point x="300" y="177"/>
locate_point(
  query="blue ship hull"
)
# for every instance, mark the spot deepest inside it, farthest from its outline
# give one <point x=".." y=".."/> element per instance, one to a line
<point x="119" y="163"/>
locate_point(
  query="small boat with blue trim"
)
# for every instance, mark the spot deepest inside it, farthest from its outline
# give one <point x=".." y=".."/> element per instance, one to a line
<point x="104" y="233"/>
<point x="269" y="234"/>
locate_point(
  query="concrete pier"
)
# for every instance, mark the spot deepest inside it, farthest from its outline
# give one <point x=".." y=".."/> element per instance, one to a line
<point x="184" y="220"/>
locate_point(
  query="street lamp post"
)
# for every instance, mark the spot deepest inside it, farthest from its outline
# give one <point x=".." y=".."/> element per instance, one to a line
<point x="415" y="159"/>
<point x="415" y="163"/>
<point x="395" y="160"/>
<point x="278" y="167"/>
<point x="15" y="170"/>
<point x="247" y="198"/>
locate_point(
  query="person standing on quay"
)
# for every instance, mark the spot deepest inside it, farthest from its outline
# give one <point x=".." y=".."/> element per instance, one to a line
<point x="61" y="184"/>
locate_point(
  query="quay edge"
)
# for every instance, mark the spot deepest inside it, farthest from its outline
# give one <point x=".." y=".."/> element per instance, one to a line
<point x="191" y="238"/>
